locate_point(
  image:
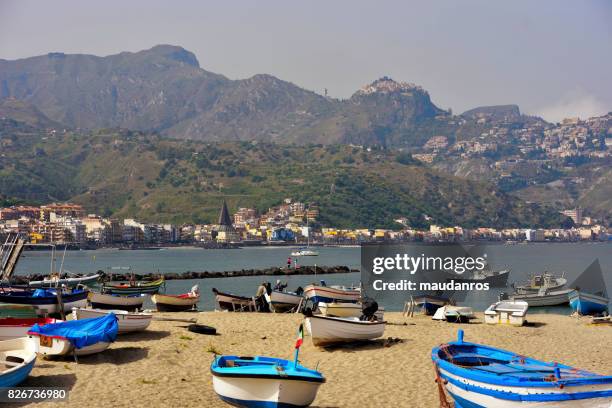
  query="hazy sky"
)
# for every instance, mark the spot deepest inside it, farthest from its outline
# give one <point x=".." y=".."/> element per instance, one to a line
<point x="551" y="57"/>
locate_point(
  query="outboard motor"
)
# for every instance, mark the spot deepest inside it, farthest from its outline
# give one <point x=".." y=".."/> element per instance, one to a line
<point x="299" y="291"/>
<point x="368" y="309"/>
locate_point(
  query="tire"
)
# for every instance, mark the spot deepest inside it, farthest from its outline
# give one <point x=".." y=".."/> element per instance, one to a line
<point x="201" y="329"/>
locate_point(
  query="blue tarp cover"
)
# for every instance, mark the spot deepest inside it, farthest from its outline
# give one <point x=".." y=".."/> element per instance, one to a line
<point x="82" y="333"/>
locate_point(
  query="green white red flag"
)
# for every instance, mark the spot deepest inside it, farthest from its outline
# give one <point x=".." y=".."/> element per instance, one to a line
<point x="300" y="337"/>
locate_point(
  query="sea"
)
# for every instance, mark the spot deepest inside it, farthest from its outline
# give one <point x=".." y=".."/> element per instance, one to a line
<point x="523" y="260"/>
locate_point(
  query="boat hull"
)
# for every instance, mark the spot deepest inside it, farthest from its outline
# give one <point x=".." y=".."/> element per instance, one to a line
<point x="264" y="392"/>
<point x="144" y="288"/>
<point x="15" y="328"/>
<point x="47" y="304"/>
<point x="429" y="304"/>
<point x="234" y="303"/>
<point x="127" y="322"/>
<point x="281" y="302"/>
<point x="328" y="294"/>
<point x="556" y="298"/>
<point x="332" y="330"/>
<point x="346" y="310"/>
<point x="165" y="303"/>
<point x="61" y="347"/>
<point x="471" y="394"/>
<point x="587" y="304"/>
<point x="70" y="282"/>
<point x="107" y="301"/>
<point x="22" y="349"/>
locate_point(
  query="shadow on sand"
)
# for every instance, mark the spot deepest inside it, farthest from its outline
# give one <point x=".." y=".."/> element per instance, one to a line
<point x="143" y="335"/>
<point x="364" y="345"/>
<point x="118" y="356"/>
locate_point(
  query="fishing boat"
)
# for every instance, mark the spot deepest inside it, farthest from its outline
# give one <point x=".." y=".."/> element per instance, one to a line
<point x="495" y="279"/>
<point x="132" y="288"/>
<point x="454" y="314"/>
<point x="69" y="282"/>
<point x="12" y="328"/>
<point x="478" y="376"/>
<point x="45" y="300"/>
<point x="329" y="294"/>
<point x="281" y="301"/>
<point x="430" y="303"/>
<point x="108" y="301"/>
<point x="326" y="330"/>
<point x="177" y="303"/>
<point x="264" y="382"/>
<point x="17" y="358"/>
<point x="544" y="297"/>
<point x="507" y="312"/>
<point x="233" y="303"/>
<point x="261" y="381"/>
<point x="545" y="280"/>
<point x="343" y="309"/>
<point x="588" y="304"/>
<point x="17" y="311"/>
<point x="304" y="252"/>
<point x="128" y="322"/>
<point x="81" y="337"/>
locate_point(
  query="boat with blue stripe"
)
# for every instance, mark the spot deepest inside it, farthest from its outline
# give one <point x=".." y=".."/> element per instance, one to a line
<point x="588" y="304"/>
<point x="479" y="376"/>
<point x="264" y="382"/>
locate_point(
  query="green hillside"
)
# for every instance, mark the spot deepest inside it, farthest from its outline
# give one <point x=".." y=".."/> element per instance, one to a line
<point x="130" y="174"/>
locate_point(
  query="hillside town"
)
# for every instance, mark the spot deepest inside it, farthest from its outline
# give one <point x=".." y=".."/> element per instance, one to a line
<point x="531" y="139"/>
<point x="291" y="222"/>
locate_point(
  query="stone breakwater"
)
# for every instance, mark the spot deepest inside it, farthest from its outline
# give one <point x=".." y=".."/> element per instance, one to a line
<point x="275" y="271"/>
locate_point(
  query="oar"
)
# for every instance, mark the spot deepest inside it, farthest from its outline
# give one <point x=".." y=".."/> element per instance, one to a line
<point x="170" y="319"/>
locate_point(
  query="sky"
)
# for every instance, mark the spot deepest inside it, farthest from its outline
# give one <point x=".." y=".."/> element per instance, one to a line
<point x="551" y="57"/>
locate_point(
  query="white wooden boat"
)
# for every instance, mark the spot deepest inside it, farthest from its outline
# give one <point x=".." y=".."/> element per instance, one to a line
<point x="52" y="346"/>
<point x="546" y="281"/>
<point x="304" y="252"/>
<point x="343" y="309"/>
<point x="108" y="301"/>
<point x="70" y="282"/>
<point x="323" y="293"/>
<point x="128" y="321"/>
<point x="454" y="314"/>
<point x="507" y="312"/>
<point x="544" y="297"/>
<point x="177" y="303"/>
<point x="283" y="301"/>
<point x="17" y="358"/>
<point x="234" y="303"/>
<point x="326" y="330"/>
<point x="13" y="328"/>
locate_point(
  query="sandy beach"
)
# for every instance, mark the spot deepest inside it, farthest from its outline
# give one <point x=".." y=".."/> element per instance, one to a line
<point x="169" y="365"/>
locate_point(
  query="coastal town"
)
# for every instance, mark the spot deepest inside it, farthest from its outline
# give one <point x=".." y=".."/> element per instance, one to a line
<point x="291" y="222"/>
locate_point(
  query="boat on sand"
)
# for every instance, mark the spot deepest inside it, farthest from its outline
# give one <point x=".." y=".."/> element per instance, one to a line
<point x="13" y="328"/>
<point x="17" y="358"/>
<point x="177" y="303"/>
<point x="108" y="301"/>
<point x="479" y="376"/>
<point x="327" y="331"/>
<point x="128" y="322"/>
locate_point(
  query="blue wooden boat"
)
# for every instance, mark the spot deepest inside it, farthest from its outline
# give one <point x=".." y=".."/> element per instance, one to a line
<point x="588" y="304"/>
<point x="45" y="301"/>
<point x="17" y="356"/>
<point x="478" y="376"/>
<point x="430" y="303"/>
<point x="264" y="382"/>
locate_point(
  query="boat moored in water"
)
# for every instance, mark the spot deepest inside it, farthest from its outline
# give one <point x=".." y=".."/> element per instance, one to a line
<point x="479" y="376"/>
<point x="546" y="281"/>
<point x="264" y="382"/>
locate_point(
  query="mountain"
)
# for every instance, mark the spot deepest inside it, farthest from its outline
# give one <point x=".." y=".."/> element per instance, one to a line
<point x="164" y="90"/>
<point x="131" y="174"/>
<point x="25" y="113"/>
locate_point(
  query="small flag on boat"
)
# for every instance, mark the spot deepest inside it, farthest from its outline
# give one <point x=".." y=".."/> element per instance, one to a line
<point x="300" y="337"/>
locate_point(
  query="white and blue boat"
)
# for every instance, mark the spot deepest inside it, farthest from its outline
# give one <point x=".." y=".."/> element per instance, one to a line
<point x="588" y="304"/>
<point x="18" y="357"/>
<point x="264" y="382"/>
<point x="429" y="304"/>
<point x="479" y="376"/>
<point x="330" y="294"/>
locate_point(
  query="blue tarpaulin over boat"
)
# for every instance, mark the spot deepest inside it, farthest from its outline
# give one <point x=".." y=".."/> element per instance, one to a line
<point x="82" y="333"/>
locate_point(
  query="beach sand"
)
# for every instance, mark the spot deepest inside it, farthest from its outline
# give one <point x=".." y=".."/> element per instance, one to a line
<point x="168" y="365"/>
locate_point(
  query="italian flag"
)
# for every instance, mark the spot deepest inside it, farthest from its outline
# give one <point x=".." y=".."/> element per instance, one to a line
<point x="300" y="337"/>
